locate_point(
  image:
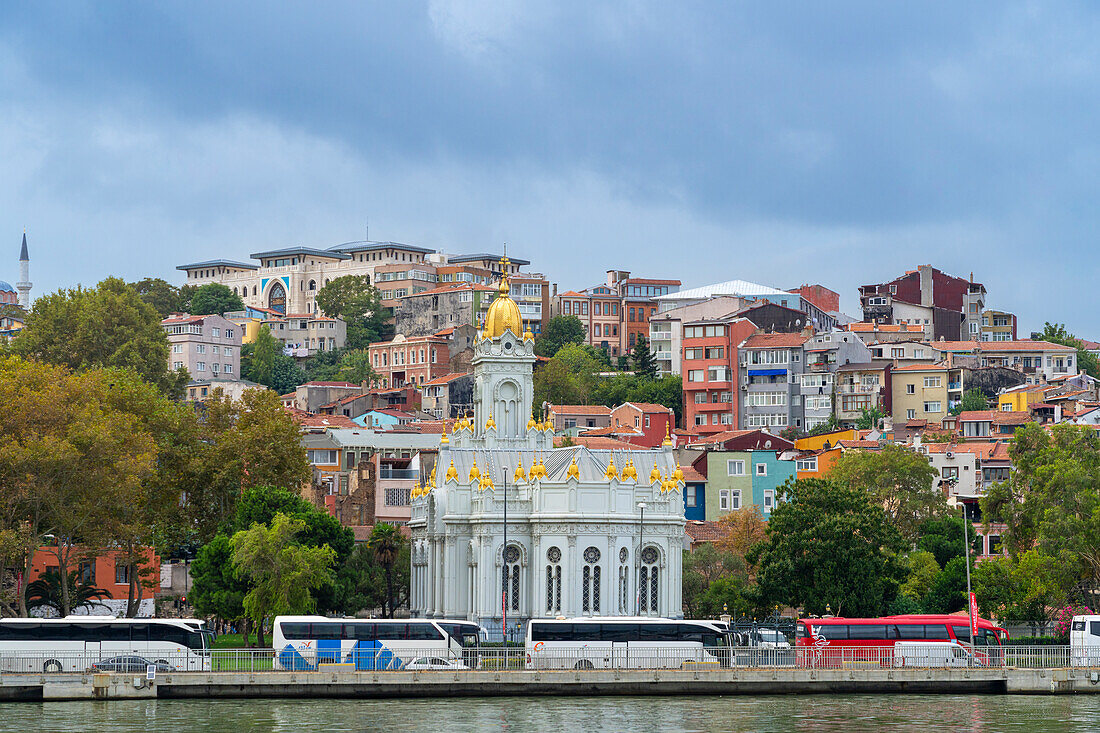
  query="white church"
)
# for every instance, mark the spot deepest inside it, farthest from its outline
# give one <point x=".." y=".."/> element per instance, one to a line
<point x="589" y="532"/>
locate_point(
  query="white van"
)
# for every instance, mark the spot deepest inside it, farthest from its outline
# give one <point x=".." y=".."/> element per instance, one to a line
<point x="932" y="654"/>
<point x="769" y="639"/>
<point x="1084" y="641"/>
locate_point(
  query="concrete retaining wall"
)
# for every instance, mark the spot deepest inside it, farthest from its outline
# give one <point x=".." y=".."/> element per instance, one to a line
<point x="577" y="683"/>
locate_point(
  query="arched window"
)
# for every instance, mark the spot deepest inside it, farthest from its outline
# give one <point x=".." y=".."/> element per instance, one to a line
<point x="648" y="581"/>
<point x="312" y="284"/>
<point x="624" y="583"/>
<point x="509" y="577"/>
<point x="590" y="581"/>
<point x="553" y="580"/>
<point x="253" y="289"/>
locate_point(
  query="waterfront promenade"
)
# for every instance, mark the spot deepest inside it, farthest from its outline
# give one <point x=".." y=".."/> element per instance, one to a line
<point x="486" y="683"/>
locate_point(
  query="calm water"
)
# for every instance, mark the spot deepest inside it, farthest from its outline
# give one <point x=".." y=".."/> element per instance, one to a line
<point x="848" y="713"/>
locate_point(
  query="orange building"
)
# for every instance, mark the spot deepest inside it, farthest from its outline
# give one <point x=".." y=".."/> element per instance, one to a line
<point x="710" y="373"/>
<point x="100" y="570"/>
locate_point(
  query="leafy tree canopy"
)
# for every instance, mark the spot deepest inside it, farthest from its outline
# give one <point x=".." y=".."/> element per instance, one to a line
<point x="973" y="400"/>
<point x="559" y="331"/>
<point x="1056" y="333"/>
<point x="829" y="547"/>
<point x="215" y="298"/>
<point x="108" y="326"/>
<point x="359" y="304"/>
<point x="645" y="364"/>
<point x="161" y="294"/>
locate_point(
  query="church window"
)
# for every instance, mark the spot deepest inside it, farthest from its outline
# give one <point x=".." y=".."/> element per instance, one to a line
<point x="590" y="582"/>
<point x="553" y="580"/>
<point x="648" y="582"/>
<point x="509" y="581"/>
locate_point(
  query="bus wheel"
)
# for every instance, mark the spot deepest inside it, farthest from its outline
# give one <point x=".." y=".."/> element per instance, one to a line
<point x="583" y="664"/>
<point x="51" y="665"/>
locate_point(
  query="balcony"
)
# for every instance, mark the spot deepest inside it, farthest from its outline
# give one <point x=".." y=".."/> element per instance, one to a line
<point x="819" y="366"/>
<point x="663" y="356"/>
<point x="954" y="386"/>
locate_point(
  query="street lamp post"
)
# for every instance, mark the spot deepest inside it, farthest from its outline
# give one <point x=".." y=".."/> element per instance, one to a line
<point x="969" y="605"/>
<point x="638" y="560"/>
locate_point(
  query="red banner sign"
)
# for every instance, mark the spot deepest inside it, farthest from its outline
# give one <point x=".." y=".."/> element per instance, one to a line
<point x="973" y="616"/>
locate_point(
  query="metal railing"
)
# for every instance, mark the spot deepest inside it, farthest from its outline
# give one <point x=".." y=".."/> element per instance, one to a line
<point x="593" y="656"/>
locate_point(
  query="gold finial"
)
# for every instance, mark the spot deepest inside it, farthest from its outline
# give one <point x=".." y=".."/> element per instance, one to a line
<point x="668" y="434"/>
<point x="629" y="472"/>
<point x="443" y="438"/>
<point x="678" y="474"/>
<point x="527" y="335"/>
<point x="451" y="472"/>
<point x="573" y="471"/>
<point x="486" y="482"/>
<point x="519" y="476"/>
<point x="490" y="424"/>
<point x="415" y="493"/>
<point x="474" y="473"/>
<point x="654" y="475"/>
<point x="611" y="473"/>
<point x="549" y="427"/>
<point x="531" y="423"/>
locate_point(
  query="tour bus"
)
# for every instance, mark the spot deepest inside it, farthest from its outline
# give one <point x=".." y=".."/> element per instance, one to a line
<point x="834" y="640"/>
<point x="77" y="643"/>
<point x="625" y="642"/>
<point x="303" y="642"/>
<point x="1084" y="641"/>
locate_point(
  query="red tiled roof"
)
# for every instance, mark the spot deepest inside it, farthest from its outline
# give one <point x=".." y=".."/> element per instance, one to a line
<point x="444" y="379"/>
<point x="580" y="410"/>
<point x="720" y="437"/>
<point x="995" y="450"/>
<point x="1024" y="346"/>
<point x="446" y="331"/>
<point x="921" y="368"/>
<point x="309" y="420"/>
<point x="393" y="413"/>
<point x="865" y="444"/>
<point x="598" y="443"/>
<point x="774" y="340"/>
<point x="1011" y="418"/>
<point x="610" y="431"/>
<point x="916" y="423"/>
<point x="690" y="474"/>
<point x="863" y="327"/>
<point x="704" y="531"/>
<point x="572" y="294"/>
<point x="177" y="320"/>
<point x="426" y="427"/>
<point x="975" y="416"/>
<point x="330" y="384"/>
<point x="647" y="406"/>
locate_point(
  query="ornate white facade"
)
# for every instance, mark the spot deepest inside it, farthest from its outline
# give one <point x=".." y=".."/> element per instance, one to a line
<point x="576" y="545"/>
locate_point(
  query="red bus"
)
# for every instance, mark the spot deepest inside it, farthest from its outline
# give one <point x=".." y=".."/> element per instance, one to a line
<point x="836" y="639"/>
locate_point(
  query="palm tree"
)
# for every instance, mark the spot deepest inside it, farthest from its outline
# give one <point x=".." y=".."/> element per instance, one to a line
<point x="46" y="591"/>
<point x="386" y="542"/>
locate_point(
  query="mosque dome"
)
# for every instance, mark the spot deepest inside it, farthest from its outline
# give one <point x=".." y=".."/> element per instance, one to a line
<point x="6" y="288"/>
<point x="503" y="313"/>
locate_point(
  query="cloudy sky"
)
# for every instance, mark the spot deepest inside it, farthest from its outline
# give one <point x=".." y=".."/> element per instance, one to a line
<point x="783" y="143"/>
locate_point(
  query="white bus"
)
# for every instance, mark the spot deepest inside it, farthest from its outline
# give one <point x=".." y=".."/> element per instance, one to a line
<point x="79" y="643"/>
<point x="625" y="642"/>
<point x="303" y="642"/>
<point x="1084" y="641"/>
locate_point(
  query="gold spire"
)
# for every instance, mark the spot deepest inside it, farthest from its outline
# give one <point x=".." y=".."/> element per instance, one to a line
<point x="486" y="482"/>
<point x="527" y="335"/>
<point x="629" y="472"/>
<point x="415" y="493"/>
<point x="573" y="471"/>
<point x="611" y="473"/>
<point x="443" y="438"/>
<point x="474" y="473"/>
<point x="503" y="313"/>
<point x="451" y="472"/>
<point x="678" y="474"/>
<point x="668" y="434"/>
<point x="654" y="475"/>
<point x="490" y="424"/>
<point x="519" y="476"/>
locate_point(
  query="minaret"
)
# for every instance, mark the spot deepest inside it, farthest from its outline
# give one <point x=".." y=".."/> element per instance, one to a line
<point x="24" y="284"/>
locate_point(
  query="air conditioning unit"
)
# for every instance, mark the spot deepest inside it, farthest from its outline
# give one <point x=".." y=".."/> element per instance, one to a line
<point x="744" y="388"/>
<point x="950" y="454"/>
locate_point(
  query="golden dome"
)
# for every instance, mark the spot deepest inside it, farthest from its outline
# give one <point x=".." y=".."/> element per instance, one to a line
<point x="474" y="473"/>
<point x="451" y="472"/>
<point x="531" y="423"/>
<point x="503" y="313"/>
<point x="611" y="473"/>
<point x="490" y="423"/>
<point x="678" y="474"/>
<point x="519" y="476"/>
<point x="654" y="475"/>
<point x="573" y="471"/>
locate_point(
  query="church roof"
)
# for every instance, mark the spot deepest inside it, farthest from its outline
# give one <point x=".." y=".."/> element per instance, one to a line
<point x="591" y="463"/>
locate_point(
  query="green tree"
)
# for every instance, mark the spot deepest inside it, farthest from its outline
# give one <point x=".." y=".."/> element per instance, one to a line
<point x="583" y="367"/>
<point x="359" y="304"/>
<point x="870" y="419"/>
<point x="286" y="375"/>
<point x="386" y="542"/>
<point x="161" y="294"/>
<point x="324" y="366"/>
<point x="1051" y="500"/>
<point x="559" y="331"/>
<point x="948" y="591"/>
<point x="829" y="546"/>
<point x="703" y="567"/>
<point x="262" y="356"/>
<point x="1056" y="333"/>
<point x="896" y="478"/>
<point x="829" y="426"/>
<point x="215" y="298"/>
<point x="281" y="573"/>
<point x="644" y="362"/>
<point x="108" y="326"/>
<point x="355" y="367"/>
<point x="46" y="592"/>
<point x="360" y="582"/>
<point x="216" y="590"/>
<point x="1030" y="589"/>
<point x="943" y="537"/>
<point x="923" y="570"/>
<point x="973" y="400"/>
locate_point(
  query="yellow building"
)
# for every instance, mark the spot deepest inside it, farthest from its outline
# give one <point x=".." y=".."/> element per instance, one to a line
<point x="1021" y="398"/>
<point x="817" y="442"/>
<point x="924" y="391"/>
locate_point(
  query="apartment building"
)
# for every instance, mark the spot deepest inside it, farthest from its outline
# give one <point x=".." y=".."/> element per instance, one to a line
<point x="816" y="318"/>
<point x="208" y="347"/>
<point x="825" y="353"/>
<point x="447" y="306"/>
<point x="859" y="387"/>
<point x="710" y="372"/>
<point x="304" y="335"/>
<point x="949" y="306"/>
<point x="925" y="391"/>
<point x="666" y="328"/>
<point x="770" y="394"/>
<point x="414" y="360"/>
<point x="998" y="326"/>
<point x="740" y="479"/>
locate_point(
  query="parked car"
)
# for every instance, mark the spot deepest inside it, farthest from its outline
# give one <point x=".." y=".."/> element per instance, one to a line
<point x="128" y="663"/>
<point x="934" y="654"/>
<point x="434" y="663"/>
<point x="769" y="639"/>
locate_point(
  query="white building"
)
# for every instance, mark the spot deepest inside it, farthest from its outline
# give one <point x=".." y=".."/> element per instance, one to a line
<point x="574" y="530"/>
